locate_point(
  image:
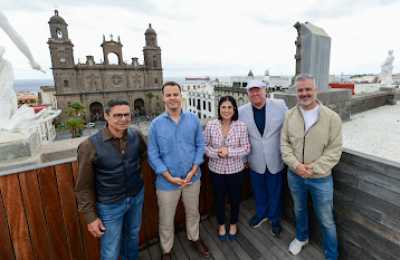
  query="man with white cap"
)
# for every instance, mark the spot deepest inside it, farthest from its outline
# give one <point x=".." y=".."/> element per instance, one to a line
<point x="264" y="118"/>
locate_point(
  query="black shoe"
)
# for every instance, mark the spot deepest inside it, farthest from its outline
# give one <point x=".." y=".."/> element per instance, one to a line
<point x="256" y="221"/>
<point x="276" y="230"/>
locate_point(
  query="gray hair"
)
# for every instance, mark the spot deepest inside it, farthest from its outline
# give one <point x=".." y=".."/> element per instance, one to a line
<point x="304" y="76"/>
<point x="115" y="102"/>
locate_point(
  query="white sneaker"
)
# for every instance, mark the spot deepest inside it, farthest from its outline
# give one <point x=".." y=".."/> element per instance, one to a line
<point x="296" y="246"/>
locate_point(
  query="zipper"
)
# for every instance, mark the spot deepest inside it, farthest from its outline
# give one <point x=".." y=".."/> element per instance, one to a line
<point x="304" y="145"/>
<point x="306" y="132"/>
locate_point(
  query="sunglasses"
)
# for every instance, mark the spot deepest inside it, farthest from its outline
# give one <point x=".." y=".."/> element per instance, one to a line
<point x="121" y="115"/>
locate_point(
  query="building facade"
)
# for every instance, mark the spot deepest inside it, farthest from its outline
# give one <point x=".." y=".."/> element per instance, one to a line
<point x="94" y="84"/>
<point x="47" y="96"/>
<point x="198" y="98"/>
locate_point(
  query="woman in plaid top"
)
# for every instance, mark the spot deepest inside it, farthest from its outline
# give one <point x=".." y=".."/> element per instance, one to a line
<point x="227" y="143"/>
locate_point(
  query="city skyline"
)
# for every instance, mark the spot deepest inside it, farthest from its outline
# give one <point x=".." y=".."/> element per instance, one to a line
<point x="211" y="38"/>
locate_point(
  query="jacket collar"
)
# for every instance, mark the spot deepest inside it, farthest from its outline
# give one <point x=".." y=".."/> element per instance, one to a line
<point x="107" y="135"/>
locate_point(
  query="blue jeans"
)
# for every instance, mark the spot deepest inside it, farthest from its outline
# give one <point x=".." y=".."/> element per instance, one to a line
<point x="321" y="191"/>
<point x="267" y="189"/>
<point x="122" y="220"/>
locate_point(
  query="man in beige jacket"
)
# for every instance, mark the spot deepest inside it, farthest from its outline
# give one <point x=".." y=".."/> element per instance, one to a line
<point x="311" y="145"/>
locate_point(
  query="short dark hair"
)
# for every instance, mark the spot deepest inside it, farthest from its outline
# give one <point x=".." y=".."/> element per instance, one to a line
<point x="235" y="107"/>
<point x="115" y="102"/>
<point x="170" y="83"/>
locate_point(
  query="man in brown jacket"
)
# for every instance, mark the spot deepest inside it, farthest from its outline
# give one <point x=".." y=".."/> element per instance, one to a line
<point x="311" y="145"/>
<point x="109" y="187"/>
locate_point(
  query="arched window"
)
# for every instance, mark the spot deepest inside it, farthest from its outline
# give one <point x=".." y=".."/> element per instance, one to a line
<point x="113" y="58"/>
<point x="59" y="34"/>
<point x="155" y="61"/>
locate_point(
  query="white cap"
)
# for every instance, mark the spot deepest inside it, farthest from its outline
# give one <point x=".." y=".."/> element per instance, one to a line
<point x="255" y="84"/>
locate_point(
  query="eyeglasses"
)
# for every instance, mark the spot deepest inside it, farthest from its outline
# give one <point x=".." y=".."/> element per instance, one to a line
<point x="120" y="115"/>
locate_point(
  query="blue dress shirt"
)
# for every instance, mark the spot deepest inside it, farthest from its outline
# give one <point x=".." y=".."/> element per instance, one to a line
<point x="175" y="147"/>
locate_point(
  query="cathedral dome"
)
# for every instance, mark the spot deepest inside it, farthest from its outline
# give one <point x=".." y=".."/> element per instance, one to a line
<point x="56" y="18"/>
<point x="150" y="30"/>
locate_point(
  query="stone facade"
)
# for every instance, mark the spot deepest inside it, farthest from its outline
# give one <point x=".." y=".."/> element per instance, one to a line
<point x="94" y="84"/>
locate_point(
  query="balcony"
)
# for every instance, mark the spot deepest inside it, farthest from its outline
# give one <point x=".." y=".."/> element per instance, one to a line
<point x="39" y="217"/>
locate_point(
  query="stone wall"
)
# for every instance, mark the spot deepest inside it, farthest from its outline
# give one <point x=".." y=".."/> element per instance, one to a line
<point x="364" y="102"/>
<point x="367" y="208"/>
<point x="367" y="204"/>
<point x="337" y="99"/>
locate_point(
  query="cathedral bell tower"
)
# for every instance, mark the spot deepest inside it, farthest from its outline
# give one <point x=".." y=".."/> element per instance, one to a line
<point x="152" y="52"/>
<point x="61" y="47"/>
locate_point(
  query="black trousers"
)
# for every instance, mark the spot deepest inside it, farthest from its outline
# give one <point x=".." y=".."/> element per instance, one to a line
<point x="231" y="185"/>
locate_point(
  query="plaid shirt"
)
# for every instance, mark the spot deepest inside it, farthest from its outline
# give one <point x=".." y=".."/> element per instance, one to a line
<point x="237" y="142"/>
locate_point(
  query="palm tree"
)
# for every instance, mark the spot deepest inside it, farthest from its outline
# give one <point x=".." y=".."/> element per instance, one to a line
<point x="150" y="96"/>
<point x="75" y="120"/>
<point x="75" y="125"/>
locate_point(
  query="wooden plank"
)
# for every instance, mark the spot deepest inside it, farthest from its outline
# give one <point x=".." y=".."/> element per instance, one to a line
<point x="178" y="251"/>
<point x="363" y="246"/>
<point x="257" y="238"/>
<point x="6" y="247"/>
<point x="86" y="239"/>
<point x="51" y="203"/>
<point x="36" y="218"/>
<point x="362" y="164"/>
<point x="369" y="241"/>
<point x="144" y="255"/>
<point x="275" y="251"/>
<point x="387" y="211"/>
<point x="190" y="252"/>
<point x="287" y="235"/>
<point x="64" y="177"/>
<point x="224" y="247"/>
<point x="155" y="252"/>
<point x="75" y="171"/>
<point x="209" y="238"/>
<point x="17" y="222"/>
<point x="91" y="244"/>
<point x="149" y="229"/>
<point x="236" y="246"/>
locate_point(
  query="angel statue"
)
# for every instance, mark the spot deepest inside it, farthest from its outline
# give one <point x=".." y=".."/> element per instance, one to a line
<point x="387" y="69"/>
<point x="10" y="116"/>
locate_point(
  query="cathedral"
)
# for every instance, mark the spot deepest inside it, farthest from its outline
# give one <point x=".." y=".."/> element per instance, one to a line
<point x="94" y="84"/>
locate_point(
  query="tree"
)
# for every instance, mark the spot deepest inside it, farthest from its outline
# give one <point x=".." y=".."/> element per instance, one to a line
<point x="75" y="120"/>
<point x="150" y="96"/>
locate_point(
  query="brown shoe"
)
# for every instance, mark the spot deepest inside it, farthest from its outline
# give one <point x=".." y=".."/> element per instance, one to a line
<point x="166" y="256"/>
<point x="201" y="248"/>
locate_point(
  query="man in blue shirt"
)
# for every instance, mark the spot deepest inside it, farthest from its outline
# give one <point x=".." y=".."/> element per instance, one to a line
<point x="175" y="151"/>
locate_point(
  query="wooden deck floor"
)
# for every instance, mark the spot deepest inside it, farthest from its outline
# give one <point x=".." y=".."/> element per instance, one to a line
<point x="251" y="243"/>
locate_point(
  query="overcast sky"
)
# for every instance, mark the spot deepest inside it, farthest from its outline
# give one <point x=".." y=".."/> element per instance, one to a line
<point x="211" y="37"/>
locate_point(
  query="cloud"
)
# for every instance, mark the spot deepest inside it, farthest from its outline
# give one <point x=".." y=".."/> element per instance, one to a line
<point x="210" y="37"/>
<point x="168" y="9"/>
<point x="341" y="8"/>
<point x="271" y="21"/>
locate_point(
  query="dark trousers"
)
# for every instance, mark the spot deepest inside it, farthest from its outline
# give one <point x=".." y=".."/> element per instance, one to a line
<point x="231" y="185"/>
<point x="267" y="189"/>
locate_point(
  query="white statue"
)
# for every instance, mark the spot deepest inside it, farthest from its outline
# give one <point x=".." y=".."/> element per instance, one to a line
<point x="10" y="116"/>
<point x="387" y="69"/>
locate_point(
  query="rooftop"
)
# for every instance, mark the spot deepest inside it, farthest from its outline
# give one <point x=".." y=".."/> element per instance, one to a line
<point x="375" y="132"/>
